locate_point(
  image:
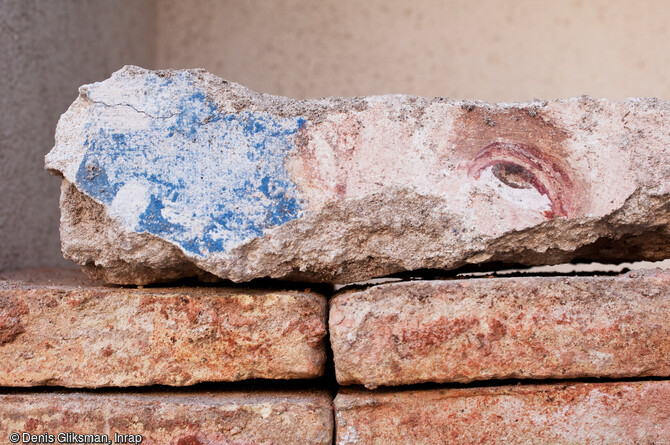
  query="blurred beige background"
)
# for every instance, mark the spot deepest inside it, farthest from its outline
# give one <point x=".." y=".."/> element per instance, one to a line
<point x="495" y="50"/>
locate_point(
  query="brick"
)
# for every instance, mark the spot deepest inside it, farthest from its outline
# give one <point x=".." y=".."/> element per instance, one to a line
<point x="503" y="328"/>
<point x="83" y="335"/>
<point x="570" y="413"/>
<point x="170" y="174"/>
<point x="192" y="418"/>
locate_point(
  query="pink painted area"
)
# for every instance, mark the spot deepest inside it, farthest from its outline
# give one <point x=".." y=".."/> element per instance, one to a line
<point x="356" y="155"/>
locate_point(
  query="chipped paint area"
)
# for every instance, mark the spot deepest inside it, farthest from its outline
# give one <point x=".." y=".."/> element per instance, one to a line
<point x="528" y="198"/>
<point x="199" y="178"/>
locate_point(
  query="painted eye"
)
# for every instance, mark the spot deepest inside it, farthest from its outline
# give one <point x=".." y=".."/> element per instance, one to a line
<point x="523" y="166"/>
<point x="513" y="175"/>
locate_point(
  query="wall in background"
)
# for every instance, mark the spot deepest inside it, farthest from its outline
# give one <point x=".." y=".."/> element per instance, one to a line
<point x="496" y="50"/>
<point x="47" y="50"/>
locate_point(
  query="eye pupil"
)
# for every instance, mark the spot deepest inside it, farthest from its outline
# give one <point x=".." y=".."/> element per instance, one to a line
<point x="513" y="175"/>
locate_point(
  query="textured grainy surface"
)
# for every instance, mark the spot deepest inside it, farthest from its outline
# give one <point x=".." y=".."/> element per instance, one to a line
<point x="575" y="413"/>
<point x="92" y="336"/>
<point x="500" y="328"/>
<point x="173" y="173"/>
<point x="174" y="418"/>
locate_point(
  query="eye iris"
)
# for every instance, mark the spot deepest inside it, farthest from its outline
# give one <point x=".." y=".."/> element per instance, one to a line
<point x="523" y="166"/>
<point x="513" y="175"/>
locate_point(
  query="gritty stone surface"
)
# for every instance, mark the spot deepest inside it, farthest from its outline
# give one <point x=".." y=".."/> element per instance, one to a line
<point x="502" y="328"/>
<point x="81" y="335"/>
<point x="174" y="418"/>
<point x="571" y="413"/>
<point x="179" y="173"/>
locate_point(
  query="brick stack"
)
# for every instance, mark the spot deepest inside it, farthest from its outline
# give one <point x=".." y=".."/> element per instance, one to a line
<point x="175" y="175"/>
<point x="59" y="329"/>
<point x="496" y="329"/>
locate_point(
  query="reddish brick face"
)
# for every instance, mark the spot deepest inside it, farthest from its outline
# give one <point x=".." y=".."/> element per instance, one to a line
<point x="569" y="413"/>
<point x="192" y="418"/>
<point x="91" y="336"/>
<point x="502" y="328"/>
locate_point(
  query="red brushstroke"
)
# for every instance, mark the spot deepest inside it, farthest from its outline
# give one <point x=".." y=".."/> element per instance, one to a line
<point x="545" y="173"/>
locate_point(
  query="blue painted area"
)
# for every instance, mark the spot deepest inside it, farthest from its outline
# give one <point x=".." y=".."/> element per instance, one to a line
<point x="204" y="180"/>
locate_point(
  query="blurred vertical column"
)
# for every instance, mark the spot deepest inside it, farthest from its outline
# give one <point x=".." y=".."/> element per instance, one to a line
<point x="47" y="50"/>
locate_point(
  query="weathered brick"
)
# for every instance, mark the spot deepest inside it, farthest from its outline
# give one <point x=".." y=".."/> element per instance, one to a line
<point x="191" y="418"/>
<point x="92" y="336"/>
<point x="179" y="173"/>
<point x="500" y="328"/>
<point x="570" y="413"/>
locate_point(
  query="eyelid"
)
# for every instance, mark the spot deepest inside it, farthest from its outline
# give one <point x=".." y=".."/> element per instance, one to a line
<point x="544" y="172"/>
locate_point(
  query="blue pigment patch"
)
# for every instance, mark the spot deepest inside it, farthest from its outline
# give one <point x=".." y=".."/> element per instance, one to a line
<point x="201" y="179"/>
